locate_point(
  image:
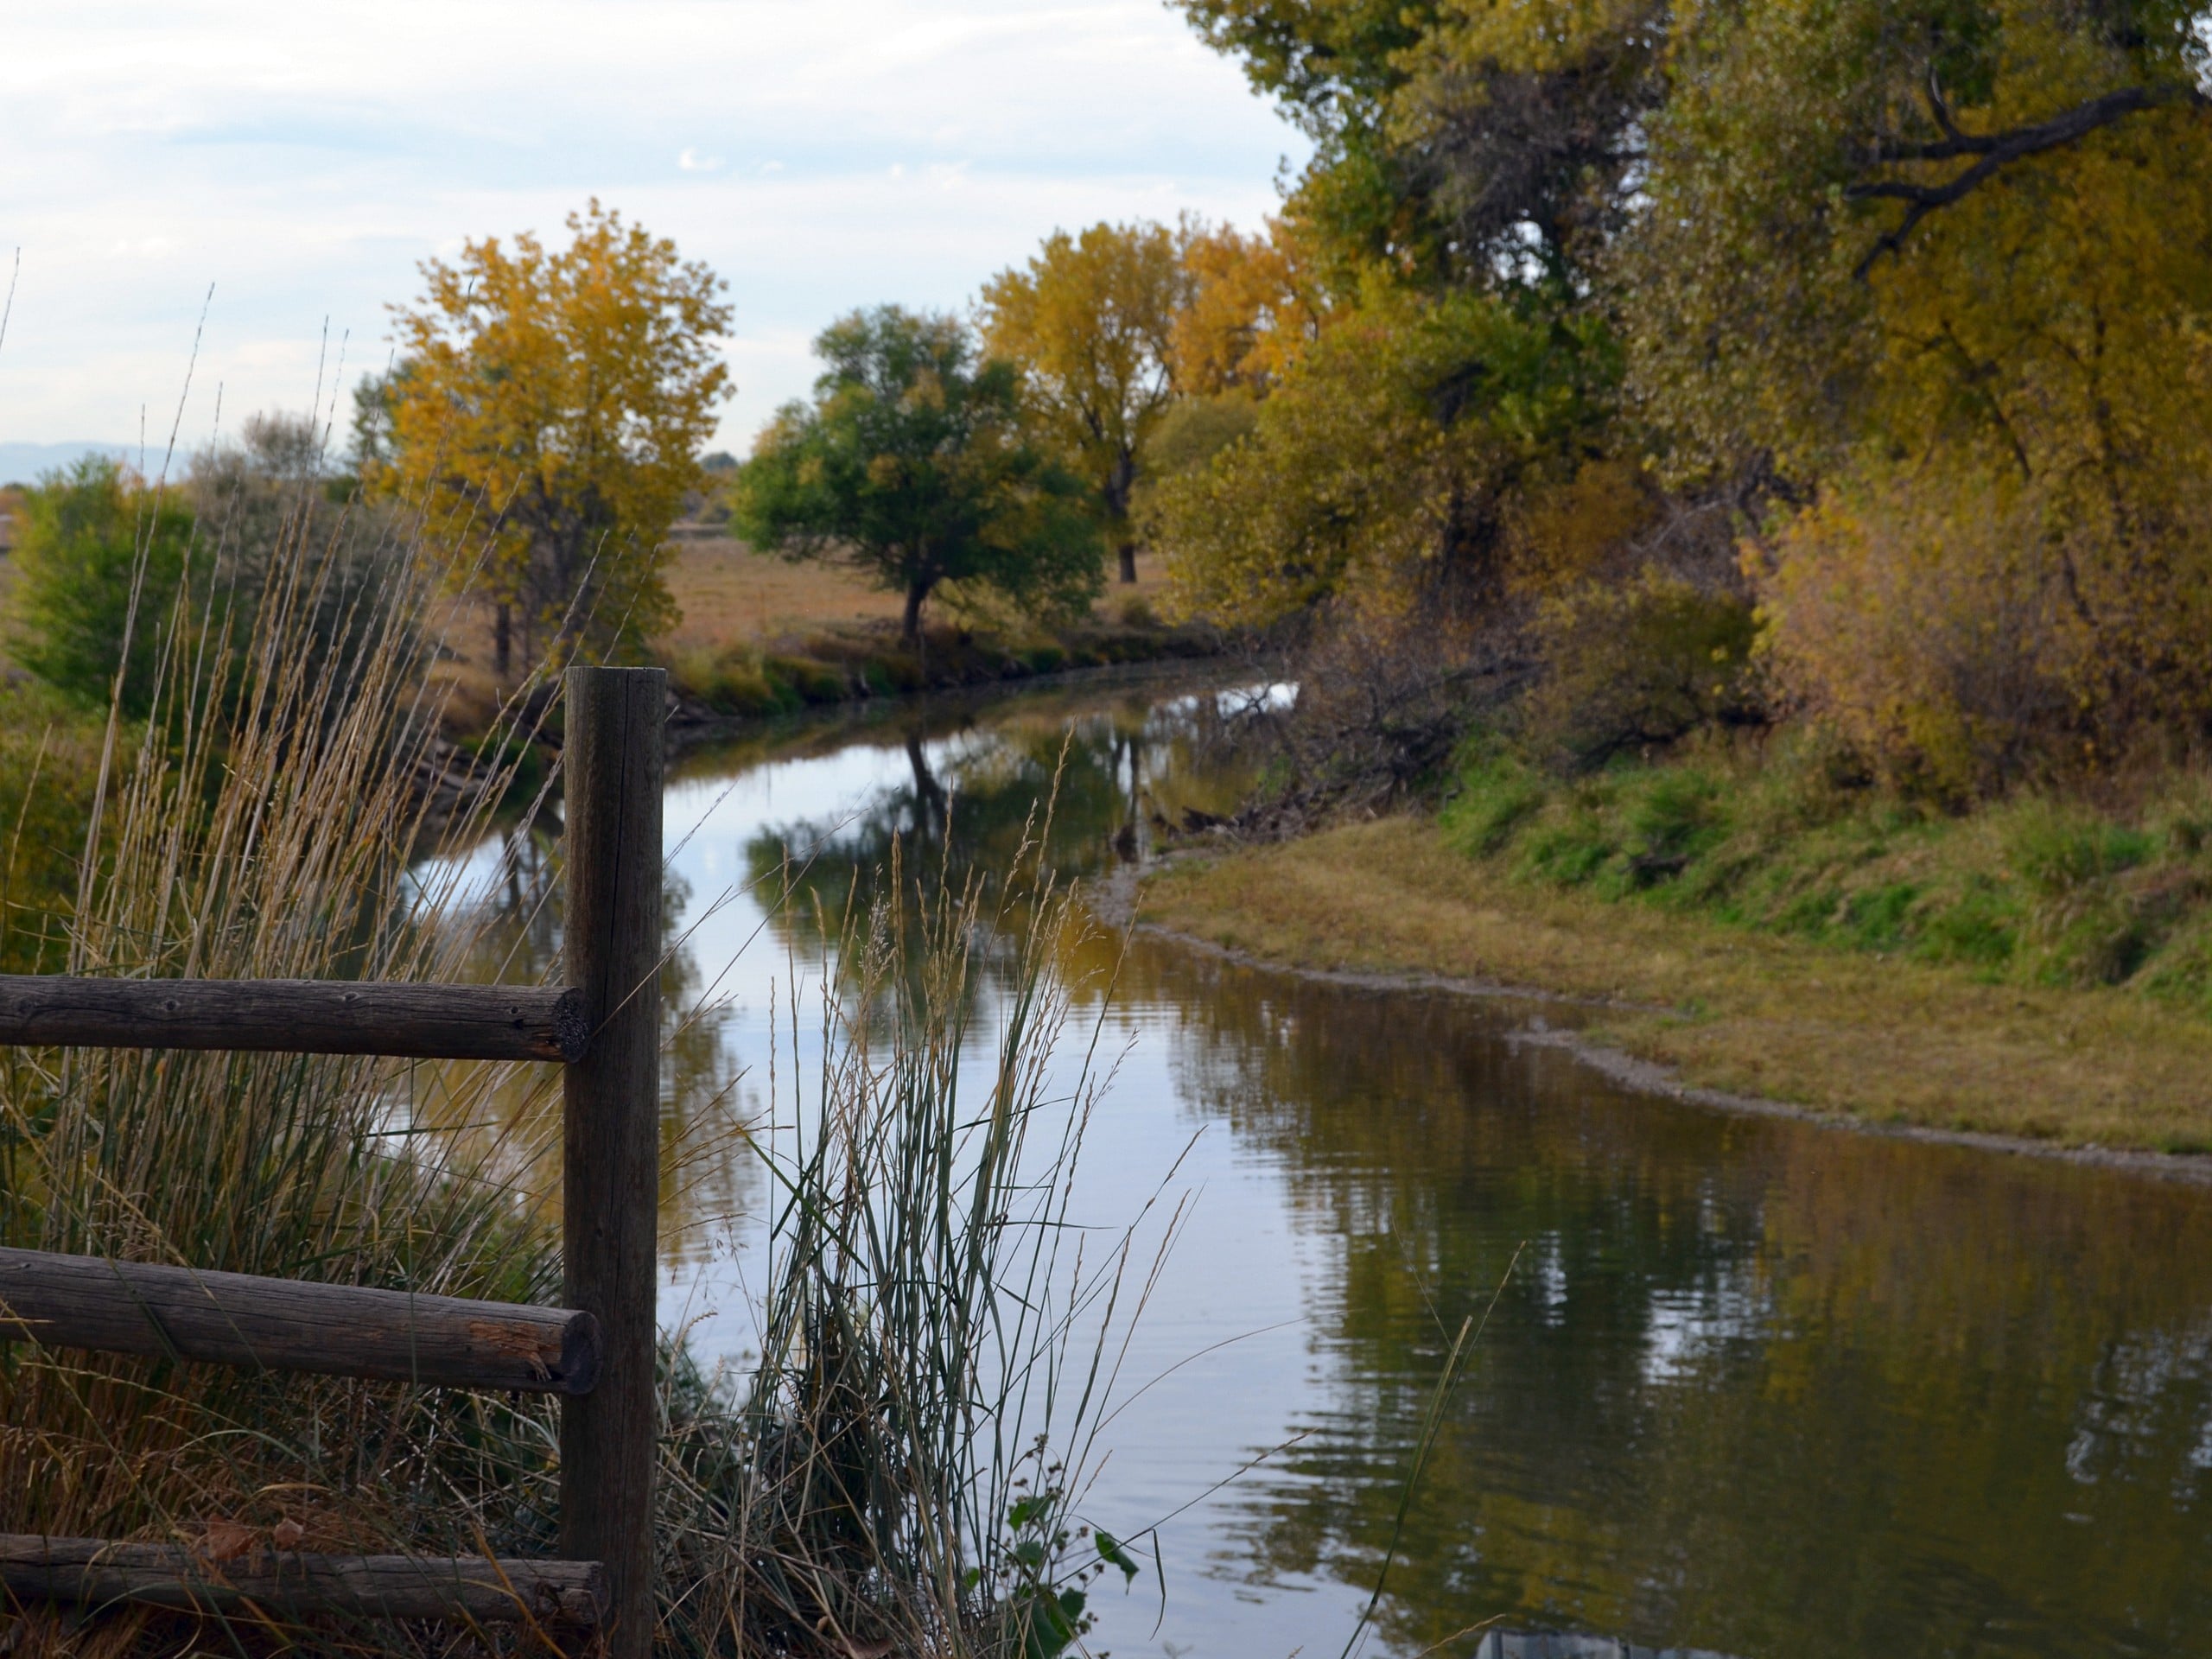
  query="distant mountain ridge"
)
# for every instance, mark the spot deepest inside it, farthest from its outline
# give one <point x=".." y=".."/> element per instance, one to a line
<point x="21" y="463"/>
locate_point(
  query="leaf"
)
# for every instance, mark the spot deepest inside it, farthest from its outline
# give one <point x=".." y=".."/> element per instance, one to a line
<point x="289" y="1534"/>
<point x="1047" y="1629"/>
<point x="225" y="1540"/>
<point x="1111" y="1553"/>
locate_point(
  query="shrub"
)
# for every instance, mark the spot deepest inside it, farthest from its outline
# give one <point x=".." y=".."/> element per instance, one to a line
<point x="100" y="562"/>
<point x="1637" y="665"/>
<point x="1135" y="612"/>
<point x="1967" y="630"/>
<point x="814" y="682"/>
<point x="729" y="683"/>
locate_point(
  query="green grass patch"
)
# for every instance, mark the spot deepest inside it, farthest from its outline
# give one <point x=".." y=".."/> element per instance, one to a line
<point x="2036" y="890"/>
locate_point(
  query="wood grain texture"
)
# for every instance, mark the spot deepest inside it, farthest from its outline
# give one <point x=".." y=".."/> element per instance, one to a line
<point x="611" y="784"/>
<point x="295" y="1016"/>
<point x="477" y="1589"/>
<point x="235" y="1318"/>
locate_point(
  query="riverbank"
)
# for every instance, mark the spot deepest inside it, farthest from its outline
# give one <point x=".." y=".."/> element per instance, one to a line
<point x="762" y="637"/>
<point x="1750" y="1017"/>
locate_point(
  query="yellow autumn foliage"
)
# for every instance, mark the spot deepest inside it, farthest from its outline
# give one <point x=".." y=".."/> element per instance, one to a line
<point x="1253" y="308"/>
<point x="550" y="404"/>
<point x="1965" y="630"/>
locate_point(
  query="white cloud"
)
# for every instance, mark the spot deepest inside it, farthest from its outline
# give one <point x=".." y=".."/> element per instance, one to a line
<point x="303" y="160"/>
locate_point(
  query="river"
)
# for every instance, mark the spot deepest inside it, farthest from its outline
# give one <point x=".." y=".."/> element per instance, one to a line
<point x="1746" y="1386"/>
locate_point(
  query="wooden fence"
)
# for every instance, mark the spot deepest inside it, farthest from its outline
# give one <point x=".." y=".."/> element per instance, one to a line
<point x="595" y="1353"/>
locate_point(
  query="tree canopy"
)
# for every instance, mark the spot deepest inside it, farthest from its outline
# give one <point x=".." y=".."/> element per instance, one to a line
<point x="554" y="402"/>
<point x="1885" y="319"/>
<point x="912" y="464"/>
<point x="1091" y="323"/>
<point x="102" y="558"/>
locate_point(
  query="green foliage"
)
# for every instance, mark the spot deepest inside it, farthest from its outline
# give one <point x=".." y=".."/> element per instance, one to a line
<point x="1195" y="429"/>
<point x="1336" y="66"/>
<point x="1325" y="58"/>
<point x="253" y="541"/>
<point x="1638" y="665"/>
<point x="1047" y="1597"/>
<point x="1379" y="464"/>
<point x="911" y="464"/>
<point x="2038" y="889"/>
<point x="50" y="745"/>
<point x="101" y="561"/>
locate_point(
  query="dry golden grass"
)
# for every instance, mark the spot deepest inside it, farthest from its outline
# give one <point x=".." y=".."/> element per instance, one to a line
<point x="1749" y="1013"/>
<point x="727" y="596"/>
<point x="731" y="595"/>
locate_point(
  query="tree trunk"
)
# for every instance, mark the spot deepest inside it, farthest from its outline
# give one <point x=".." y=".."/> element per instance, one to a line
<point x="1119" y="488"/>
<point x="502" y="642"/>
<point x="911" y="626"/>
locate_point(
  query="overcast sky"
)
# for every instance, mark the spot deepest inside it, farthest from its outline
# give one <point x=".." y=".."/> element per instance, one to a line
<point x="819" y="154"/>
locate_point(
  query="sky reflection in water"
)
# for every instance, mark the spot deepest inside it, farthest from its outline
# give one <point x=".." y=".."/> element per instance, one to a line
<point x="1753" y="1388"/>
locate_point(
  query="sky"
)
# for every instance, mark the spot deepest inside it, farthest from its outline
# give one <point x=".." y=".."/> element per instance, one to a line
<point x="265" y="178"/>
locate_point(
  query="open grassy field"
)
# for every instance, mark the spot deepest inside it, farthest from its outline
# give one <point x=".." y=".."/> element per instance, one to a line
<point x="1791" y="1019"/>
<point x="731" y="595"/>
<point x="728" y="593"/>
<point x="759" y="634"/>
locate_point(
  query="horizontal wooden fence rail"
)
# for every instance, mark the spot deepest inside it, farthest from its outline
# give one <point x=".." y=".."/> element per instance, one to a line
<point x="478" y="1589"/>
<point x="599" y="1353"/>
<point x="236" y="1319"/>
<point x="296" y="1016"/>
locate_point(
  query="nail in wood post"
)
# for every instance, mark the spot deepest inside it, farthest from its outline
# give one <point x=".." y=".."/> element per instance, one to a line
<point x="612" y="765"/>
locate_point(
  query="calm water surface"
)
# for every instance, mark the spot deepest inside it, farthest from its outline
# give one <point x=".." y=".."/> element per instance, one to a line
<point x="1750" y="1386"/>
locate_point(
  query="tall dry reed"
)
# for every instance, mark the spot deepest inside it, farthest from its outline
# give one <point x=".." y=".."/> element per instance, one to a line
<point x="881" y="1481"/>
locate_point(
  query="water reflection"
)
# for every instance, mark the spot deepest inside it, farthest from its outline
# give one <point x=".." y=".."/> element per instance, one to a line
<point x="1756" y="1385"/>
<point x="1751" y="1388"/>
<point x="1076" y="782"/>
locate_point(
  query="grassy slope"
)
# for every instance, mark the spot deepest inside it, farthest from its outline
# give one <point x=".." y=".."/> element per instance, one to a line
<point x="1778" y="1015"/>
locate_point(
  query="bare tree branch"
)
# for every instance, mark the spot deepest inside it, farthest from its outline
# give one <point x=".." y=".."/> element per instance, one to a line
<point x="1996" y="150"/>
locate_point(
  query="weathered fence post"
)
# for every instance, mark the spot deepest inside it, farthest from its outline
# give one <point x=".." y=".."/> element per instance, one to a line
<point x="611" y="1183"/>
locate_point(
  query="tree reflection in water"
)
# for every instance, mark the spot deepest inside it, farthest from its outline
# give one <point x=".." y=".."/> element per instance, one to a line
<point x="708" y="1173"/>
<point x="1758" y="1387"/>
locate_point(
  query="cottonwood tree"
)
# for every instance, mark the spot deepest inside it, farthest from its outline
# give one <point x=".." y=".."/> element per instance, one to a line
<point x="554" y="402"/>
<point x="1916" y="289"/>
<point x="911" y="464"/>
<point x="1090" y="321"/>
<point x="1250" y="310"/>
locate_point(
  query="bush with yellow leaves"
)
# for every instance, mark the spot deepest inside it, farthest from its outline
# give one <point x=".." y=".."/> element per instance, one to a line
<point x="1966" y="629"/>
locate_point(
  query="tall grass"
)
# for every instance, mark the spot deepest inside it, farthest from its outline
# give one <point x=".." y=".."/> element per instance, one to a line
<point x="872" y="1484"/>
<point x="931" y="1368"/>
